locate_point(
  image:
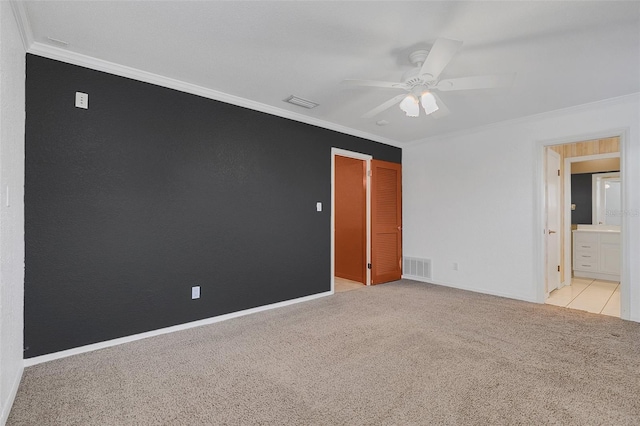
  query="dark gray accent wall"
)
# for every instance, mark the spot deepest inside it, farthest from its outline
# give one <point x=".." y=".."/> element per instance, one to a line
<point x="151" y="191"/>
<point x="581" y="196"/>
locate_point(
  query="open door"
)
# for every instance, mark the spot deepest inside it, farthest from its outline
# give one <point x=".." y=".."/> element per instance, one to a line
<point x="350" y="218"/>
<point x="386" y="221"/>
<point x="552" y="189"/>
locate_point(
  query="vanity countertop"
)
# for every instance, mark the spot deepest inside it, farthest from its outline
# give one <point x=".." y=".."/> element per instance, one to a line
<point x="596" y="228"/>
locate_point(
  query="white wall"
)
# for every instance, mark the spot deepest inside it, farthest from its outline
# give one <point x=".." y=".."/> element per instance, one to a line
<point x="12" y="85"/>
<point x="474" y="198"/>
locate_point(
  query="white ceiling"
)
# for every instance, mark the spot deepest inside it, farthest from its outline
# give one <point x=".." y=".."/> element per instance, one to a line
<point x="563" y="53"/>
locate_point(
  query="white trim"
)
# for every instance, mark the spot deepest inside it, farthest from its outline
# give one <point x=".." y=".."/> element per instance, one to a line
<point x="101" y="345"/>
<point x="367" y="159"/>
<point x="350" y="154"/>
<point x="592" y="157"/>
<point x="11" y="397"/>
<point x="597" y="276"/>
<point x="20" y="13"/>
<point x="539" y="221"/>
<point x="625" y="267"/>
<point x="472" y="289"/>
<point x="525" y="119"/>
<point x="67" y="56"/>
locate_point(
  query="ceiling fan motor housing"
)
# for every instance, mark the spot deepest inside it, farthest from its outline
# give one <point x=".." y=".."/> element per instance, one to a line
<point x="418" y="57"/>
<point x="412" y="78"/>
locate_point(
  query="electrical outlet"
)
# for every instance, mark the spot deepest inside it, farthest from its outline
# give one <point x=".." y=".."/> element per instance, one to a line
<point x="195" y="292"/>
<point x="455" y="266"/>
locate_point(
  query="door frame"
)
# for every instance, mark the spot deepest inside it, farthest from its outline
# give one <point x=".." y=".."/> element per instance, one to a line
<point x="539" y="255"/>
<point x="367" y="159"/>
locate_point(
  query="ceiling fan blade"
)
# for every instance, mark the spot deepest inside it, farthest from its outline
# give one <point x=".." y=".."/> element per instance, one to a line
<point x="442" y="111"/>
<point x="374" y="83"/>
<point x="391" y="102"/>
<point x="439" y="57"/>
<point x="477" y="82"/>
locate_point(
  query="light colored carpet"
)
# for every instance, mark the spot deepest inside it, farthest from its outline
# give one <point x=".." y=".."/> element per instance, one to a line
<point x="401" y="353"/>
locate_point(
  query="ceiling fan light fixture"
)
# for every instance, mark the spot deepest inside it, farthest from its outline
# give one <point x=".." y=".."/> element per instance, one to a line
<point x="410" y="106"/>
<point x="429" y="103"/>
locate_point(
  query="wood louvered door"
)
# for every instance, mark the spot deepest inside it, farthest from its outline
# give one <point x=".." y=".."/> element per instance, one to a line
<point x="386" y="221"/>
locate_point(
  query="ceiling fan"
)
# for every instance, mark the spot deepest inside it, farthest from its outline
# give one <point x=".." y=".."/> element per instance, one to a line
<point x="423" y="81"/>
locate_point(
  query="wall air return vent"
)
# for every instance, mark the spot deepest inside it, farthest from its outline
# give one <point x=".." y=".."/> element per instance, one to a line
<point x="304" y="103"/>
<point x="415" y="268"/>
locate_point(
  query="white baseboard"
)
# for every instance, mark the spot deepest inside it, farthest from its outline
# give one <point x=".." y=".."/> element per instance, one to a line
<point x="596" y="276"/>
<point x="473" y="289"/>
<point x="6" y="409"/>
<point x="101" y="345"/>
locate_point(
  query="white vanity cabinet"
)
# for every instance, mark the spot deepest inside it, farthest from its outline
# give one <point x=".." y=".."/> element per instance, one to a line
<point x="596" y="254"/>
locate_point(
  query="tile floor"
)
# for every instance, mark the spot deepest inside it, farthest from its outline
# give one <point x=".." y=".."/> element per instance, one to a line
<point x="586" y="294"/>
<point x="342" y="284"/>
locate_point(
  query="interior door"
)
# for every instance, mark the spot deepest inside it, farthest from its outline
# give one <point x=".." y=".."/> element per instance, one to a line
<point x="552" y="189"/>
<point x="350" y="219"/>
<point x="386" y="221"/>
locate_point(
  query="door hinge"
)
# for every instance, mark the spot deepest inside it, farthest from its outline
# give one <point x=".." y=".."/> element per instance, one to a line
<point x="558" y="172"/>
<point x="368" y="266"/>
<point x="558" y="268"/>
<point x="368" y="172"/>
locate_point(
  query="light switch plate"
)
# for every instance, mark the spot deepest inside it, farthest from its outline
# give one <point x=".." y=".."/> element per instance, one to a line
<point x="319" y="206"/>
<point x="82" y="100"/>
<point x="195" y="292"/>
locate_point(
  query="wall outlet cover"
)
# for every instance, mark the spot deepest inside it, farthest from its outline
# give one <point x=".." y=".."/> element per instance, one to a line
<point x="82" y="100"/>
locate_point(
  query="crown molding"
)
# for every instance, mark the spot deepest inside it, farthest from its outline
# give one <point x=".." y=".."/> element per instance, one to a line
<point x="93" y="63"/>
<point x="540" y="116"/>
<point x="20" y="13"/>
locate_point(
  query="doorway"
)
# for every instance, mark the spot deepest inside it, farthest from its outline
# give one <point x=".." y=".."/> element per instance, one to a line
<point x="590" y="273"/>
<point x="381" y="259"/>
<point x="350" y="219"/>
<point x="350" y="222"/>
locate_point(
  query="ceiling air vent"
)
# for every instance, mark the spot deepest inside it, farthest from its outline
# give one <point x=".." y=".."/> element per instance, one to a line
<point x="301" y="102"/>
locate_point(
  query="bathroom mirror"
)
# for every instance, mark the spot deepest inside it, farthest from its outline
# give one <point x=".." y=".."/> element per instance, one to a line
<point x="606" y="199"/>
